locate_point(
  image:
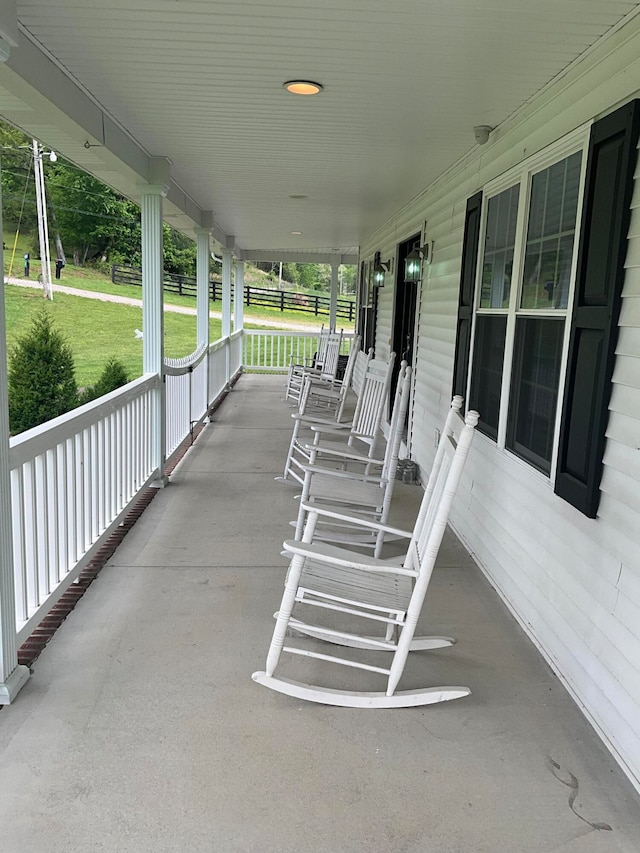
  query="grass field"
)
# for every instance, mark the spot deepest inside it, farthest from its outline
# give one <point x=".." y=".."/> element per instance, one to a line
<point x="86" y="278"/>
<point x="98" y="331"/>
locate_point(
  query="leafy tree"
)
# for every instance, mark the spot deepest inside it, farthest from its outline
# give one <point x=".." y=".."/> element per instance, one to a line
<point x="18" y="185"/>
<point x="42" y="382"/>
<point x="114" y="375"/>
<point x="93" y="220"/>
<point x="290" y="273"/>
<point x="179" y="252"/>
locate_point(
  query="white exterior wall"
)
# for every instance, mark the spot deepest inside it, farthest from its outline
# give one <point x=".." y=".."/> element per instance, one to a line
<point x="572" y="582"/>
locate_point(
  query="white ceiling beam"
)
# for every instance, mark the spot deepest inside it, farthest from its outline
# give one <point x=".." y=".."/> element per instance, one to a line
<point x="297" y="257"/>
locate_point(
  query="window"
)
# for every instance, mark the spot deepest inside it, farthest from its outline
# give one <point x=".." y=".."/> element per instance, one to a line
<point x="547" y="304"/>
<point x="522" y="307"/>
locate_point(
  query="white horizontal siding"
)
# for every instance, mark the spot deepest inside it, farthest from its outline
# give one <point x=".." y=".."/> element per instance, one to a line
<point x="573" y="582"/>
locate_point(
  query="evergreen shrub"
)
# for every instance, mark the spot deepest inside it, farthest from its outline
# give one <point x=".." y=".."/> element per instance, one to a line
<point x="42" y="383"/>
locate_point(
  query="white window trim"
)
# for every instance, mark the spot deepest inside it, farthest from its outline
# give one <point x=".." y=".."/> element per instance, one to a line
<point x="522" y="174"/>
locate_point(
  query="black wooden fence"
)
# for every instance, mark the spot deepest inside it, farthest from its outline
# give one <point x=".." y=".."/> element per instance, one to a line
<point x="284" y="300"/>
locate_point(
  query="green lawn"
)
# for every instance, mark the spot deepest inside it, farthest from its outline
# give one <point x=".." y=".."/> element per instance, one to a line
<point x="86" y="278"/>
<point x="97" y="331"/>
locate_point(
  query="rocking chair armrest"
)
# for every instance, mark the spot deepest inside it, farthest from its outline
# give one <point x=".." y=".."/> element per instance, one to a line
<point x="343" y="475"/>
<point x="312" y="421"/>
<point x="310" y="369"/>
<point x="329" y="426"/>
<point x="324" y="389"/>
<point x="351" y="455"/>
<point x="342" y="557"/>
<point x="325" y="385"/>
<point x="339" y="516"/>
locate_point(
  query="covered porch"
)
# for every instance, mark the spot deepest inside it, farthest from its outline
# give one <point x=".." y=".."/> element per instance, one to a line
<point x="141" y="730"/>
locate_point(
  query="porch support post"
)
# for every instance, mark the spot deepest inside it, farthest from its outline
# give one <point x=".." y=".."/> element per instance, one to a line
<point x="203" y="266"/>
<point x="12" y="675"/>
<point x="227" y="258"/>
<point x="333" y="301"/>
<point x="152" y="305"/>
<point x="238" y="298"/>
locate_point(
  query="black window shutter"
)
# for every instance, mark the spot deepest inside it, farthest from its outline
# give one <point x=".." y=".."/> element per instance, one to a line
<point x="467" y="284"/>
<point x="596" y="308"/>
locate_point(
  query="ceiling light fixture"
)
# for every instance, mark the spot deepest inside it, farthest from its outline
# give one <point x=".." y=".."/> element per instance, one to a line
<point x="303" y="87"/>
<point x="296" y="233"/>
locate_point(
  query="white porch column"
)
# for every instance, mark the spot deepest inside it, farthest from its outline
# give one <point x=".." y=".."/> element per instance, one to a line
<point x="238" y="298"/>
<point x="333" y="301"/>
<point x="227" y="257"/>
<point x="203" y="266"/>
<point x="12" y="675"/>
<point x="153" y="304"/>
<point x="227" y="260"/>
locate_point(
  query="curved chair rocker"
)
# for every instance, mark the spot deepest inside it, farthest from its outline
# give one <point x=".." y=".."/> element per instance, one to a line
<point x="356" y="491"/>
<point x="386" y="592"/>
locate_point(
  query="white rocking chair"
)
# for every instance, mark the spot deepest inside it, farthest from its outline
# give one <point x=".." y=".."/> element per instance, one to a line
<point x="360" y="491"/>
<point x="325" y="367"/>
<point x="321" y="398"/>
<point x="326" y="578"/>
<point x="364" y="428"/>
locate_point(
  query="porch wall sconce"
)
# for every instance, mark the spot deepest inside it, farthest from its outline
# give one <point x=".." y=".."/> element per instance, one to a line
<point x="380" y="269"/>
<point x="413" y="265"/>
<point x="414" y="260"/>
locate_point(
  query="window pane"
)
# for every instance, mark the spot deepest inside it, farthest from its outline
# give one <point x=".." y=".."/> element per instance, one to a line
<point x="502" y="212"/>
<point x="550" y="235"/>
<point x="488" y="358"/>
<point x="534" y="389"/>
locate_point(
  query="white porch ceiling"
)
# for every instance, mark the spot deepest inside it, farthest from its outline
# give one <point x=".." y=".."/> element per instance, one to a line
<point x="200" y="82"/>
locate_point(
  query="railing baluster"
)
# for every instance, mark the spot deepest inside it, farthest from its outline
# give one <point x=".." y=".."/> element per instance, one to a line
<point x="19" y="544"/>
<point x="64" y="562"/>
<point x="31" y="547"/>
<point x="72" y="511"/>
<point x="80" y="494"/>
<point x="53" y="546"/>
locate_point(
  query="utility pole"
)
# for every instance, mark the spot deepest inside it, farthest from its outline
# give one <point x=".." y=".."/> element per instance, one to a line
<point x="43" y="227"/>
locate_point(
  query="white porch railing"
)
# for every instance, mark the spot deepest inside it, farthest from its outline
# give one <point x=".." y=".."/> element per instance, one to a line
<point x="71" y="480"/>
<point x="188" y="396"/>
<point x="185" y="396"/>
<point x="273" y="351"/>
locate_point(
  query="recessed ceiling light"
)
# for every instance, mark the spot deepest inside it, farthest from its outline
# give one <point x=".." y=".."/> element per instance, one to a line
<point x="297" y="233"/>
<point x="302" y="87"/>
<point x="298" y="196"/>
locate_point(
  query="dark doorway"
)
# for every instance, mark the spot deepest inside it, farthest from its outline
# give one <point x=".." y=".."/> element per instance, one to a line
<point x="404" y="313"/>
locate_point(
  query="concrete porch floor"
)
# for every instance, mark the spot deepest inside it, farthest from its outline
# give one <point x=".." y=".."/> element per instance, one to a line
<point x="141" y="731"/>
